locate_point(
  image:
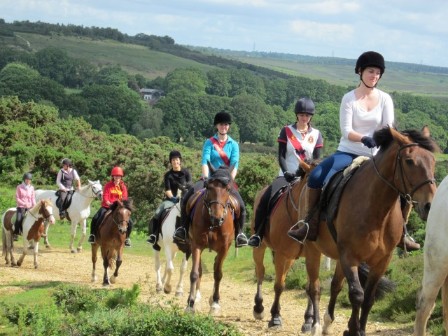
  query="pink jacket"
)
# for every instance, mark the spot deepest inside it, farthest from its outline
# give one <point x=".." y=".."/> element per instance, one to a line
<point x="25" y="196"/>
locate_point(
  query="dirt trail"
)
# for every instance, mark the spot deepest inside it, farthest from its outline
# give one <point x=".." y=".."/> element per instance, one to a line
<point x="236" y="297"/>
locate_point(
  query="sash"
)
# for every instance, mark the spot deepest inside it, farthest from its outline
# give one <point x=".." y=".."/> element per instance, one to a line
<point x="299" y="151"/>
<point x="220" y="151"/>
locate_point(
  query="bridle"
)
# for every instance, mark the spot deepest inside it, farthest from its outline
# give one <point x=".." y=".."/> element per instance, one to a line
<point x="119" y="222"/>
<point x="44" y="212"/>
<point x="406" y="194"/>
<point x="208" y="204"/>
<point x="95" y="192"/>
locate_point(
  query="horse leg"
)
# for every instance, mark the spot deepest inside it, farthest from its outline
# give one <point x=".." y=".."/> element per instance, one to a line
<point x="356" y="297"/>
<point x="336" y="287"/>
<point x="159" y="285"/>
<point x="194" y="278"/>
<point x="169" y="267"/>
<point x="312" y="313"/>
<point x="25" y="250"/>
<point x="215" y="308"/>
<point x="258" y="256"/>
<point x="73" y="236"/>
<point x="106" y="281"/>
<point x="183" y="268"/>
<point x="35" y="252"/>
<point x="433" y="279"/>
<point x="118" y="263"/>
<point x="46" y="240"/>
<point x="83" y="235"/>
<point x="94" y="259"/>
<point x="282" y="266"/>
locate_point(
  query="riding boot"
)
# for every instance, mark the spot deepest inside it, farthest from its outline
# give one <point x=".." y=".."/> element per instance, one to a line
<point x="310" y="227"/>
<point x="62" y="214"/>
<point x="240" y="239"/>
<point x="127" y="241"/>
<point x="180" y="235"/>
<point x="153" y="228"/>
<point x="406" y="242"/>
<point x="92" y="231"/>
<point x="259" y="223"/>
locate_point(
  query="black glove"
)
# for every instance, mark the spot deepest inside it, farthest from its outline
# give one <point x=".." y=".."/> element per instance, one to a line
<point x="368" y="142"/>
<point x="289" y="177"/>
<point x="174" y="199"/>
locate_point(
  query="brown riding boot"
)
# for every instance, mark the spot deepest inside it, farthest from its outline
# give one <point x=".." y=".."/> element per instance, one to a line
<point x="310" y="226"/>
<point x="407" y="243"/>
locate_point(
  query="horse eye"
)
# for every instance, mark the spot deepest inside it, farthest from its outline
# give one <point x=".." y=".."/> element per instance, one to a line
<point x="410" y="162"/>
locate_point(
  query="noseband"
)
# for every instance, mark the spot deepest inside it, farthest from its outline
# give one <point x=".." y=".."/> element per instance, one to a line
<point x="406" y="195"/>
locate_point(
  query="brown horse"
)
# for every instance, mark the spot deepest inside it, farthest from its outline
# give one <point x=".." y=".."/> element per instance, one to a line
<point x="211" y="227"/>
<point x="111" y="237"/>
<point x="285" y="250"/>
<point x="369" y="221"/>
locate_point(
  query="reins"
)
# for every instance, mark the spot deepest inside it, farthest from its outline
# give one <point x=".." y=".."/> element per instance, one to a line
<point x="406" y="195"/>
<point x="208" y="205"/>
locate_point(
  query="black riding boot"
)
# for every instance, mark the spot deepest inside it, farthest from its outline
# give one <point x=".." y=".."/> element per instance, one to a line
<point x="93" y="229"/>
<point x="260" y="220"/>
<point x="310" y="227"/>
<point x="180" y="235"/>
<point x="127" y="241"/>
<point x="153" y="229"/>
<point x="240" y="237"/>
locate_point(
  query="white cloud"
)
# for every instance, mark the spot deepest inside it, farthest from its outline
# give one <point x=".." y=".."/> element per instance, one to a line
<point x="321" y="31"/>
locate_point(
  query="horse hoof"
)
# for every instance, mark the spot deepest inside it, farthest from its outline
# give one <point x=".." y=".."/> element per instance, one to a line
<point x="316" y="330"/>
<point x="79" y="249"/>
<point x="35" y="266"/>
<point x="73" y="251"/>
<point x="48" y="246"/>
<point x="306" y="327"/>
<point x="190" y="310"/>
<point x="215" y="309"/>
<point x="113" y="279"/>
<point x="275" y="322"/>
<point x="179" y="294"/>
<point x="258" y="315"/>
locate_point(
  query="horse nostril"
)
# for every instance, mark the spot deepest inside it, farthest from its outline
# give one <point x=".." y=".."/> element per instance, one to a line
<point x="427" y="207"/>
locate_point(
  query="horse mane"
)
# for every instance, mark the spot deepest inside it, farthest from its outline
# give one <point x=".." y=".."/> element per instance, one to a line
<point x="383" y="138"/>
<point x="126" y="203"/>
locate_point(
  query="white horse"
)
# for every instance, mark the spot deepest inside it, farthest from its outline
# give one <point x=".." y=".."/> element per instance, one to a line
<point x="435" y="274"/>
<point x="32" y="230"/>
<point x="78" y="211"/>
<point x="166" y="239"/>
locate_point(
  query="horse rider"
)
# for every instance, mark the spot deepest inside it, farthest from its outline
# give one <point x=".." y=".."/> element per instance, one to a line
<point x="177" y="178"/>
<point x="67" y="175"/>
<point x="363" y="111"/>
<point x="114" y="190"/>
<point x="25" y="199"/>
<point x="219" y="150"/>
<point x="296" y="141"/>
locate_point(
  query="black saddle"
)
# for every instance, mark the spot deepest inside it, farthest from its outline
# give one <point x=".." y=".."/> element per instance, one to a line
<point x="68" y="199"/>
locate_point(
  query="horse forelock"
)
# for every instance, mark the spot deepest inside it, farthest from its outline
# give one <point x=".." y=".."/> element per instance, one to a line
<point x="384" y="138"/>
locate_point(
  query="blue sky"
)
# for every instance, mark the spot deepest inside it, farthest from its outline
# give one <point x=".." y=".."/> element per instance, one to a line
<point x="412" y="31"/>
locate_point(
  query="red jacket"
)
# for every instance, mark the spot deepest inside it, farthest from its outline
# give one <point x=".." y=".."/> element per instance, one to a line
<point x="112" y="193"/>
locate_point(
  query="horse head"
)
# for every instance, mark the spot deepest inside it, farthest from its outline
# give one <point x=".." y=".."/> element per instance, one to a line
<point x="46" y="211"/>
<point x="216" y="198"/>
<point x="121" y="214"/>
<point x="96" y="189"/>
<point x="414" y="166"/>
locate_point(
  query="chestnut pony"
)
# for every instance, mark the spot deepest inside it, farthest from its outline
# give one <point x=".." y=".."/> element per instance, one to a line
<point x="110" y="238"/>
<point x="211" y="227"/>
<point x="368" y="223"/>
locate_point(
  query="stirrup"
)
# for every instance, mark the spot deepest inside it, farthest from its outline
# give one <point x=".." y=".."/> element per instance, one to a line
<point x="180" y="235"/>
<point x="254" y="241"/>
<point x="91" y="239"/>
<point x="127" y="242"/>
<point x="241" y="240"/>
<point x="152" y="239"/>
<point x="292" y="230"/>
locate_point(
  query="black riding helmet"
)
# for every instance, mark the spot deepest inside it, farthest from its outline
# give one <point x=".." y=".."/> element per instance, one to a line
<point x="67" y="162"/>
<point x="372" y="59"/>
<point x="222" y="118"/>
<point x="304" y="105"/>
<point x="175" y="154"/>
<point x="27" y="176"/>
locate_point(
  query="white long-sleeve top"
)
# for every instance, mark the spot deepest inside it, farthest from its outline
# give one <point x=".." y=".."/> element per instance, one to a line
<point x="353" y="117"/>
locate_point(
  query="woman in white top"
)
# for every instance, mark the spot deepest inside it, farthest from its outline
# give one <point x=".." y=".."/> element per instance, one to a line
<point x="363" y="111"/>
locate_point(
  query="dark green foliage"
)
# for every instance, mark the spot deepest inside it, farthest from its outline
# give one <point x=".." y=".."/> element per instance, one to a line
<point x="78" y="310"/>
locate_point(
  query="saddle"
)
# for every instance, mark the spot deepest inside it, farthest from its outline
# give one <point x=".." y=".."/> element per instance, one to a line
<point x="68" y="199"/>
<point x="101" y="221"/>
<point x="332" y="191"/>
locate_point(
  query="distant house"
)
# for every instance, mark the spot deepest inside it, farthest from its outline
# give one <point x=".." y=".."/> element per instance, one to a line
<point x="151" y="95"/>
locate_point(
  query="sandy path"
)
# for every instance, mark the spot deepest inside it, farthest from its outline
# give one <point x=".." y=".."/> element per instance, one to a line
<point x="236" y="297"/>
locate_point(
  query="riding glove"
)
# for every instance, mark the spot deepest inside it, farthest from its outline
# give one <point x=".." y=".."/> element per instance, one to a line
<point x="174" y="199"/>
<point x="289" y="177"/>
<point x="368" y="142"/>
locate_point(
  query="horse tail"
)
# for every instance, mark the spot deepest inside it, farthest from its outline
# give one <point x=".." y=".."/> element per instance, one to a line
<point x="3" y="241"/>
<point x="385" y="285"/>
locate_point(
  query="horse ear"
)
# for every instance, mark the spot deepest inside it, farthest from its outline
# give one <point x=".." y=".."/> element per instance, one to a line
<point x="400" y="138"/>
<point x="211" y="167"/>
<point x="305" y="166"/>
<point x="426" y="132"/>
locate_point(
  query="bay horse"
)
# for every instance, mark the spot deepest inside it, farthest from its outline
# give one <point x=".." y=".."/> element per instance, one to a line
<point x="78" y="211"/>
<point x="368" y="223"/>
<point x="111" y="235"/>
<point x="168" y="225"/>
<point x="32" y="230"/>
<point x="435" y="274"/>
<point x="211" y="227"/>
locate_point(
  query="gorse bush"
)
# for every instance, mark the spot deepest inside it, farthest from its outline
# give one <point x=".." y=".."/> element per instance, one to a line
<point x="78" y="310"/>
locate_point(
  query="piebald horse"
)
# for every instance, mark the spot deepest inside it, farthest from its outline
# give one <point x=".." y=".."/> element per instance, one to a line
<point x="32" y="230"/>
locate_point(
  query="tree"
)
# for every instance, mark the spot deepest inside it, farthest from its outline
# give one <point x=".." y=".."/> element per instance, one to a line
<point x="191" y="79"/>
